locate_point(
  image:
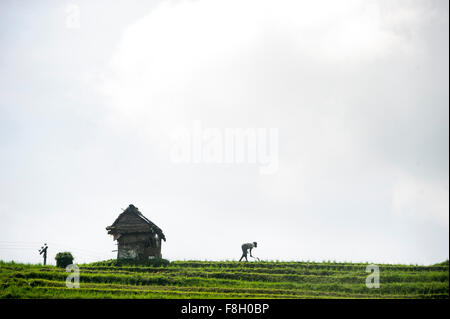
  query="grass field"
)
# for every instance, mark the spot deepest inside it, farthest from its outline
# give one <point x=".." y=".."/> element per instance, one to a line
<point x="207" y="279"/>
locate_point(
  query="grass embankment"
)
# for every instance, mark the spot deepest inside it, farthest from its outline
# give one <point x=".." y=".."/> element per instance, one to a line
<point x="198" y="279"/>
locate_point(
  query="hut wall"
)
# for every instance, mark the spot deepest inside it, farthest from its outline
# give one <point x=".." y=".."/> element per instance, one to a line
<point x="153" y="250"/>
<point x="139" y="246"/>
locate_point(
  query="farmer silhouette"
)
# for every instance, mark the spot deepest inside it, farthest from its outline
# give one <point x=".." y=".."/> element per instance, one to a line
<point x="248" y="247"/>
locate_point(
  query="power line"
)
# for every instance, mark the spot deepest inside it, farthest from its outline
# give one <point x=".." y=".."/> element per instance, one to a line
<point x="54" y="244"/>
<point x="81" y="253"/>
<point x="17" y="248"/>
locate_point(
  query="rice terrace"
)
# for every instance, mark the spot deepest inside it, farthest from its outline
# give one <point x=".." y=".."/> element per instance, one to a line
<point x="230" y="279"/>
<point x="139" y="271"/>
<point x="291" y="151"/>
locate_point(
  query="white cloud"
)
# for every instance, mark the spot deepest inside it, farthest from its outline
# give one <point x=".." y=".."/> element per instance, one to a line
<point x="190" y="59"/>
<point x="356" y="88"/>
<point x="251" y="63"/>
<point x="421" y="199"/>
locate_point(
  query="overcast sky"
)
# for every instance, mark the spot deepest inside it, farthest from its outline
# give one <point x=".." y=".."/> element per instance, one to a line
<point x="91" y="91"/>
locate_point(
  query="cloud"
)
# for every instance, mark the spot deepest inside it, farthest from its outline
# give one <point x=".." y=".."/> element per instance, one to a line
<point x="422" y="199"/>
<point x="357" y="89"/>
<point x="193" y="59"/>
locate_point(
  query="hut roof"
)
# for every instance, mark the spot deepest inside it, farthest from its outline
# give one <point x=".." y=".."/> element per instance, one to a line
<point x="133" y="210"/>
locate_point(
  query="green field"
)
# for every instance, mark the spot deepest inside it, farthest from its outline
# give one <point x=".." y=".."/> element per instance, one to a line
<point x="207" y="279"/>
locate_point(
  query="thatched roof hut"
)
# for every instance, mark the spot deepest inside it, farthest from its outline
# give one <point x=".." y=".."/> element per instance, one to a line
<point x="137" y="236"/>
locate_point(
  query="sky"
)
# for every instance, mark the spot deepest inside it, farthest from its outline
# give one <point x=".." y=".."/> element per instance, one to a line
<point x="92" y="94"/>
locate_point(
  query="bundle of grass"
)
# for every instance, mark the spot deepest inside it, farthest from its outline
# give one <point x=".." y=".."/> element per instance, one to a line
<point x="63" y="259"/>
